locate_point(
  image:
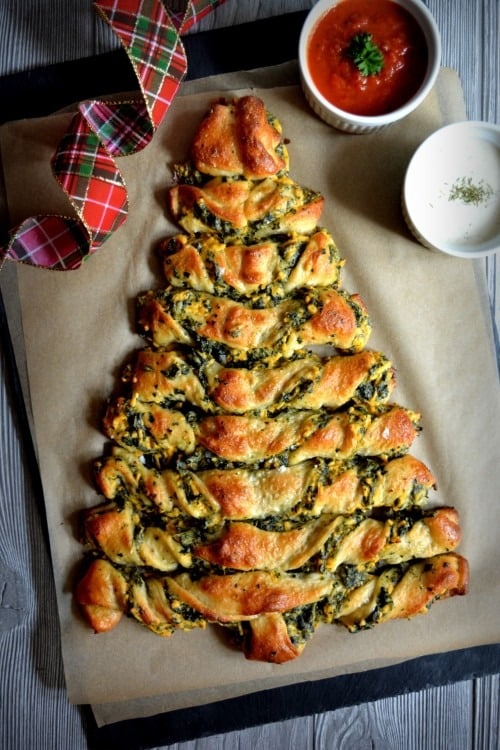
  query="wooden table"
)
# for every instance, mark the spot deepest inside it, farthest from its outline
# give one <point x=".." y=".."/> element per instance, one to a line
<point x="34" y="711"/>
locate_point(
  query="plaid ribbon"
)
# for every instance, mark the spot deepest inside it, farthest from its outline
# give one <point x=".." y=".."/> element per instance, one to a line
<point x="84" y="161"/>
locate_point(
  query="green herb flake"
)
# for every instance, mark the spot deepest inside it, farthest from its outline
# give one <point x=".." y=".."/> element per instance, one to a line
<point x="470" y="193"/>
<point x="365" y="54"/>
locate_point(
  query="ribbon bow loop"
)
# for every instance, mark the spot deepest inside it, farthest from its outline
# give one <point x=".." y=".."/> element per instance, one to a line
<point x="101" y="131"/>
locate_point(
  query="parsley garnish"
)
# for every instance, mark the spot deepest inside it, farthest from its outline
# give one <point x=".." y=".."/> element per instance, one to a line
<point x="365" y="54"/>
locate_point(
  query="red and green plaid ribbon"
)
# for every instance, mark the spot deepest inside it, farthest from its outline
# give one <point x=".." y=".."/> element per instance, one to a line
<point x="84" y="161"/>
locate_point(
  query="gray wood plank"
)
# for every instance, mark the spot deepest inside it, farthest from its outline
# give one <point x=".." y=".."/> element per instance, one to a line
<point x="44" y="32"/>
<point x="294" y="733"/>
<point x="486" y="719"/>
<point x="464" y="716"/>
<point x="434" y="719"/>
<point x="231" y="13"/>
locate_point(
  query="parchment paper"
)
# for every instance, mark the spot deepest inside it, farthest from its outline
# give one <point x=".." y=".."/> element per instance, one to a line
<point x="427" y="313"/>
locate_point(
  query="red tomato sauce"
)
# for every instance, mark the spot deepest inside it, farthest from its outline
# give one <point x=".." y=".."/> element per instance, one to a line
<point x="396" y="34"/>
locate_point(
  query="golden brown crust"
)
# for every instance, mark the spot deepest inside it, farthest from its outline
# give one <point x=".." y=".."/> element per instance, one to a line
<point x="224" y="200"/>
<point x="304" y="435"/>
<point x="309" y="488"/>
<point x="308" y="382"/>
<point x="148" y="427"/>
<point x="391" y="597"/>
<point x="406" y="478"/>
<point x="162" y="377"/>
<point x="319" y="263"/>
<point x="272" y="267"/>
<point x="123" y="475"/>
<point x="333" y="315"/>
<point x="386" y="432"/>
<point x="242" y="208"/>
<point x="425" y="582"/>
<point x="121" y="535"/>
<point x="326" y="316"/>
<point x="205" y="262"/>
<point x="152" y="605"/>
<point x="242" y="546"/>
<point x="102" y="595"/>
<point x="444" y="526"/>
<point x="394" y="541"/>
<point x="111" y="529"/>
<point x="243" y="596"/>
<point x="236" y="138"/>
<point x="268" y="640"/>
